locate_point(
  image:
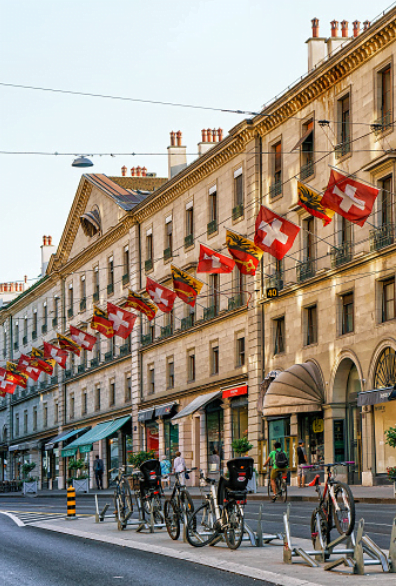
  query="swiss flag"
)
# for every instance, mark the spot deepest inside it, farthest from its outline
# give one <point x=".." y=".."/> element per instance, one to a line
<point x="6" y="385"/>
<point x="164" y="298"/>
<point x="274" y="234"/>
<point x="122" y="321"/>
<point x="51" y="351"/>
<point x="351" y="199"/>
<point x="25" y="366"/>
<point x="211" y="261"/>
<point x="83" y="339"/>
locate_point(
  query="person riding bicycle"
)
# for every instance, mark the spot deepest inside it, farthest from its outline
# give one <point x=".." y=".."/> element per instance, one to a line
<point x="279" y="462"/>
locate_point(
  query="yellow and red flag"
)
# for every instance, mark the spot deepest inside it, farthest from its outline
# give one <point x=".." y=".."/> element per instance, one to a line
<point x="311" y="200"/>
<point x="24" y="364"/>
<point x="101" y="323"/>
<point x="51" y="351"/>
<point x="6" y="383"/>
<point x="185" y="286"/>
<point x="68" y="344"/>
<point x="18" y="377"/>
<point x="38" y="360"/>
<point x="245" y="253"/>
<point x="142" y="304"/>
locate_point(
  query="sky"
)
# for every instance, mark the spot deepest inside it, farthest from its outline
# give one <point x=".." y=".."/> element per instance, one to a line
<point x="214" y="53"/>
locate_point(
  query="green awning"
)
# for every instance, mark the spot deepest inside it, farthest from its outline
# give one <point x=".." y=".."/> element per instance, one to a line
<point x="101" y="431"/>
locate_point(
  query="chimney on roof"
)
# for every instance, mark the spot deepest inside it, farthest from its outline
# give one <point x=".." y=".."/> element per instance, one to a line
<point x="316" y="46"/>
<point x="344" y="28"/>
<point x="138" y="171"/>
<point x="209" y="137"/>
<point x="144" y="172"/>
<point x="335" y="42"/>
<point x="356" y="28"/>
<point x="123" y="171"/>
<point x="47" y="249"/>
<point x="177" y="154"/>
<point x="366" y="25"/>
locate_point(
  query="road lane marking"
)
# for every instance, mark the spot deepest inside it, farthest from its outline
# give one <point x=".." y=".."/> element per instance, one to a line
<point x="14" y="518"/>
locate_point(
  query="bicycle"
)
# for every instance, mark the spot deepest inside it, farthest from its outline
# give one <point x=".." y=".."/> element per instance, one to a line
<point x="336" y="506"/>
<point x="281" y="486"/>
<point x="122" y="498"/>
<point x="148" y="493"/>
<point x="178" y="507"/>
<point x="212" y="520"/>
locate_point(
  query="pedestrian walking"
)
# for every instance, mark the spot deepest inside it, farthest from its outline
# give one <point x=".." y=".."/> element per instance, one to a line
<point x="179" y="465"/>
<point x="302" y="459"/>
<point x="98" y="470"/>
<point x="214" y="465"/>
<point x="166" y="469"/>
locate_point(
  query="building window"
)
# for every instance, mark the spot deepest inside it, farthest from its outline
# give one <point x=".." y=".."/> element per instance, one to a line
<point x="96" y="287"/>
<point x="212" y="224"/>
<point x="149" y="245"/>
<point x="189" y="237"/>
<point x="276" y="186"/>
<point x="191" y="366"/>
<point x="214" y="294"/>
<point x="84" y="404"/>
<point x="70" y="302"/>
<point x="112" y="394"/>
<point x="83" y="293"/>
<point x="25" y="422"/>
<point x="126" y="276"/>
<point x="17" y="425"/>
<point x="214" y="360"/>
<point x="96" y="348"/>
<point x="151" y="379"/>
<point x="279" y="335"/>
<point x="34" y="418"/>
<point x="45" y="415"/>
<point x="25" y="329"/>
<point x="347" y="325"/>
<point x="16" y="336"/>
<point x="384" y="84"/>
<point x="311" y="325"/>
<point x="45" y="318"/>
<point x="128" y="389"/>
<point x="240" y="352"/>
<point x="34" y="330"/>
<point x="170" y="373"/>
<point x="110" y="275"/>
<point x="56" y="312"/>
<point x="385" y="202"/>
<point x="307" y="150"/>
<point x="168" y="238"/>
<point x="71" y="407"/>
<point x="97" y="398"/>
<point x="237" y="211"/>
<point x="343" y="127"/>
<point x="388" y="299"/>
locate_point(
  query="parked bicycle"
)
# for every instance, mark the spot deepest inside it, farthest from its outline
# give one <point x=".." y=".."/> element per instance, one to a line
<point x="122" y="497"/>
<point x="178" y="508"/>
<point x="336" y="506"/>
<point x="149" y="491"/>
<point x="222" y="512"/>
<point x="281" y="487"/>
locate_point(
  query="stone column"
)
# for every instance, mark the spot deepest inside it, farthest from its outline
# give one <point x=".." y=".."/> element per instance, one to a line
<point x="368" y="446"/>
<point x="227" y="430"/>
<point x="161" y="438"/>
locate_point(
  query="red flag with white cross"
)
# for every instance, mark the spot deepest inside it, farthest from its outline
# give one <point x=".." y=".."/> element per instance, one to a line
<point x="25" y="366"/>
<point x="274" y="234"/>
<point x="164" y="298"/>
<point x="7" y="385"/>
<point x="350" y="198"/>
<point x="83" y="339"/>
<point x="212" y="262"/>
<point x="51" y="351"/>
<point x="122" y="321"/>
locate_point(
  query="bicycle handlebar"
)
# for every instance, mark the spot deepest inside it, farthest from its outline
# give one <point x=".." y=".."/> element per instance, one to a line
<point x="316" y="466"/>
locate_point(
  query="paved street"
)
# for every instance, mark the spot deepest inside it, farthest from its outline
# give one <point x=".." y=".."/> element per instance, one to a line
<point x="32" y="557"/>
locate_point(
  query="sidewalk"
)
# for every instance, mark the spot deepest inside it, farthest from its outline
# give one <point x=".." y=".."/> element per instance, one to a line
<point x="260" y="563"/>
<point x="362" y="494"/>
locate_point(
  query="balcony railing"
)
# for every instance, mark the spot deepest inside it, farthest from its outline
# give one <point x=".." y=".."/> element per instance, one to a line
<point x="305" y="270"/>
<point x="188" y="240"/>
<point x="382" y="123"/>
<point x="306" y="170"/>
<point x="83" y="304"/>
<point x="166" y="331"/>
<point x="342" y="254"/>
<point x="42" y="386"/>
<point x="54" y="322"/>
<point x="210" y="312"/>
<point x="16" y="345"/>
<point x="124" y="350"/>
<point x="212" y="227"/>
<point x="81" y="368"/>
<point x="68" y="373"/>
<point x="275" y="189"/>
<point x="342" y="149"/>
<point x="34" y="335"/>
<point x="44" y="329"/>
<point x="110" y="289"/>
<point x="54" y="380"/>
<point x="167" y="253"/>
<point x="94" y="362"/>
<point x="382" y="236"/>
<point x="235" y="302"/>
<point x="95" y="296"/>
<point x="148" y="264"/>
<point x="237" y="211"/>
<point x="108" y="356"/>
<point x="70" y="312"/>
<point x="187" y="322"/>
<point x="275" y="281"/>
<point x="24" y="340"/>
<point x="125" y="279"/>
<point x="147" y="339"/>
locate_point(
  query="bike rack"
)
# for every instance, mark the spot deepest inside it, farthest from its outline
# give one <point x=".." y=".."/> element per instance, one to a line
<point x="144" y="523"/>
<point x="258" y="538"/>
<point x="100" y="515"/>
<point x="289" y="551"/>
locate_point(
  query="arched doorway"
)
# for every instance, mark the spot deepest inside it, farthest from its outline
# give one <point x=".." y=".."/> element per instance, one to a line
<point x="384" y="409"/>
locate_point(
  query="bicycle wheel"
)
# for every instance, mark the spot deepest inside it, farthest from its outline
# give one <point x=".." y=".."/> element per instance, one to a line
<point x="115" y="503"/>
<point x="233" y="531"/>
<point x="283" y="490"/>
<point x="187" y="502"/>
<point x="200" y="527"/>
<point x="172" y="519"/>
<point x="128" y="499"/>
<point x="157" y="513"/>
<point x="324" y="528"/>
<point x="344" y="517"/>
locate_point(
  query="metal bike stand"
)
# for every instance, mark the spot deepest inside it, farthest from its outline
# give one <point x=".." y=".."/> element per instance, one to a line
<point x="258" y="538"/>
<point x="143" y="523"/>
<point x="289" y="551"/>
<point x="100" y="515"/>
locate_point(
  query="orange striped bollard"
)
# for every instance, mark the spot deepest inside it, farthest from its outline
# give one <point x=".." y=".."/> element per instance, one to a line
<point x="71" y="503"/>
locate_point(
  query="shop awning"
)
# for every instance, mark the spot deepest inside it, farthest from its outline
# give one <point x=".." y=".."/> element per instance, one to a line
<point x="196" y="404"/>
<point x="146" y="415"/>
<point x="376" y="396"/>
<point x="65" y="435"/>
<point x="298" y="389"/>
<point x="25" y="447"/>
<point x="99" y="432"/>
<point x="164" y="410"/>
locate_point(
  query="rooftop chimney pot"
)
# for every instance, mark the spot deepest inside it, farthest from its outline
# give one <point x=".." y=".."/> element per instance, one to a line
<point x="315" y="27"/>
<point x="49" y="240"/>
<point x="44" y="240"/>
<point x="138" y="171"/>
<point x="144" y="171"/>
<point x="209" y="134"/>
<point x="123" y="171"/>
<point x="334" y="28"/>
<point x="344" y="28"/>
<point x="220" y="134"/>
<point x="133" y="171"/>
<point x="203" y="133"/>
<point x="356" y="28"/>
<point x="172" y="138"/>
<point x="366" y="25"/>
<point x="178" y="138"/>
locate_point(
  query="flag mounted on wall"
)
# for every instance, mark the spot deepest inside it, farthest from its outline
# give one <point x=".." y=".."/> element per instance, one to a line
<point x="6" y="383"/>
<point x="185" y="286"/>
<point x="211" y="261"/>
<point x="351" y="199"/>
<point x="60" y="356"/>
<point x="38" y="360"/>
<point x="163" y="297"/>
<point x="245" y="253"/>
<point x="18" y="377"/>
<point x="141" y="304"/>
<point x="311" y="200"/>
<point x="24" y="364"/>
<point x="274" y="234"/>
<point x="68" y="344"/>
<point x="83" y="339"/>
<point x="121" y="320"/>
<point x="101" y="323"/>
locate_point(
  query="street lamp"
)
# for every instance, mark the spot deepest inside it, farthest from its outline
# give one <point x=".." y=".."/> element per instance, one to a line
<point x="82" y="162"/>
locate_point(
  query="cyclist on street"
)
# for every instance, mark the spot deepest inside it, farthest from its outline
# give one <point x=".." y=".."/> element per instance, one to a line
<point x="275" y="459"/>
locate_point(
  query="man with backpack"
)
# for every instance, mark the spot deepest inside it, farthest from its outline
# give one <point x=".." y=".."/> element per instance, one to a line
<point x="98" y="470"/>
<point x="279" y="462"/>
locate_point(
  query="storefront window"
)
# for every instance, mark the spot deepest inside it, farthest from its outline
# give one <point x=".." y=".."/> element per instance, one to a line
<point x="278" y="430"/>
<point x="171" y="433"/>
<point x="152" y="437"/>
<point x="214" y="429"/>
<point x="239" y="411"/>
<point x="128" y="447"/>
<point x="384" y="418"/>
<point x="114" y="459"/>
<point x="312" y="434"/>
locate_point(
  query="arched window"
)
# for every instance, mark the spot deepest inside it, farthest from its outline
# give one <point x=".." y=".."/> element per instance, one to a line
<point x="385" y="372"/>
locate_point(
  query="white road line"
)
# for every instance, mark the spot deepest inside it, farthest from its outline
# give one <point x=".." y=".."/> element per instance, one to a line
<point x="14" y="518"/>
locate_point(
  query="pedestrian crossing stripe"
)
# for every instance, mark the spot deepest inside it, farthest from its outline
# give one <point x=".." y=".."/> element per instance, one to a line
<point x="29" y="518"/>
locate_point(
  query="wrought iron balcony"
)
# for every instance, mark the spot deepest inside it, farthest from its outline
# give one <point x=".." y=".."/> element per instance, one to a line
<point x="342" y="149"/>
<point x="54" y="380"/>
<point x="148" y="264"/>
<point x="81" y="368"/>
<point x="187" y="322"/>
<point x="108" y="356"/>
<point x="382" y="123"/>
<point x="110" y="288"/>
<point x="16" y="345"/>
<point x="42" y="386"/>
<point x="125" y="279"/>
<point x="124" y="350"/>
<point x="44" y="329"/>
<point x="95" y="296"/>
<point x="167" y="253"/>
<point x="147" y="339"/>
<point x="275" y="189"/>
<point x="275" y="281"/>
<point x="305" y="270"/>
<point x="34" y="335"/>
<point x="235" y="302"/>
<point x="68" y="373"/>
<point x="188" y="240"/>
<point x="342" y="254"/>
<point x="237" y="211"/>
<point x="24" y="340"/>
<point x="166" y="331"/>
<point x="70" y="312"/>
<point x="212" y="227"/>
<point x="94" y="362"/>
<point x="382" y="236"/>
<point x="306" y="170"/>
<point x="83" y="304"/>
<point x="210" y="312"/>
<point x="54" y="322"/>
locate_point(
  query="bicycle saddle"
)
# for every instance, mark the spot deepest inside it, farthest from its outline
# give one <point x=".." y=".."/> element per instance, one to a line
<point x="315" y="481"/>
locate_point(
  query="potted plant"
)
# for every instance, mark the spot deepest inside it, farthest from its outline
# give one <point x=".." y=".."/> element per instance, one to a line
<point x="139" y="457"/>
<point x="79" y="479"/>
<point x="390" y="435"/>
<point x="29" y="482"/>
<point x="242" y="446"/>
